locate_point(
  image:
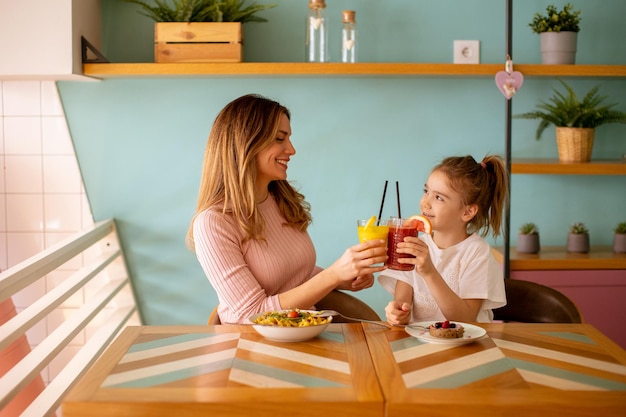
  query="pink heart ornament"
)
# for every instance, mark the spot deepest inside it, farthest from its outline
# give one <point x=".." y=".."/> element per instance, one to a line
<point x="509" y="83"/>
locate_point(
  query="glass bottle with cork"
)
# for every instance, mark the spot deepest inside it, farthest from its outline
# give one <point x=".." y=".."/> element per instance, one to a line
<point x="348" y="36"/>
<point x="316" y="33"/>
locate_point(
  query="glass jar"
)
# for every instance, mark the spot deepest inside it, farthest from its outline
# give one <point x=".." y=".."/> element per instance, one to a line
<point x="348" y="36"/>
<point x="316" y="32"/>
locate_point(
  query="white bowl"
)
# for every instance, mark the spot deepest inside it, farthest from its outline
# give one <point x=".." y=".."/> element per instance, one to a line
<point x="288" y="334"/>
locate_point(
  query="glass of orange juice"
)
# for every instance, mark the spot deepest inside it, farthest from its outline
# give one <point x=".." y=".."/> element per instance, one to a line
<point x="368" y="229"/>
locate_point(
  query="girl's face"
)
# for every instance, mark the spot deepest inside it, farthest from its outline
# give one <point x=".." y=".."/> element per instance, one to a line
<point x="443" y="206"/>
<point x="272" y="161"/>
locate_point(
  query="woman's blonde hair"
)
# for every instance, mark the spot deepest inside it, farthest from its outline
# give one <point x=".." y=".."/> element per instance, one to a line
<point x="243" y="128"/>
<point x="482" y="183"/>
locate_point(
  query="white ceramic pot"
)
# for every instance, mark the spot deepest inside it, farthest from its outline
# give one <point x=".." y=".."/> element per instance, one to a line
<point x="558" y="48"/>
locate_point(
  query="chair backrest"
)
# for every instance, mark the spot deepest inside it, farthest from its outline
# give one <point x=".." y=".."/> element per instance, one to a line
<point x="214" y="318"/>
<point x="340" y="301"/>
<point x="530" y="302"/>
<point x="347" y="305"/>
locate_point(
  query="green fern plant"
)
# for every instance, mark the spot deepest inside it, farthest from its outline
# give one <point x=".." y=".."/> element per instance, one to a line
<point x="578" y="229"/>
<point x="621" y="228"/>
<point x="202" y="10"/>
<point x="528" y="229"/>
<point x="566" y="110"/>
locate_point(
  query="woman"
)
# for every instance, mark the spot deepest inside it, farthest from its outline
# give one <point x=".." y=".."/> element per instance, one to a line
<point x="249" y="231"/>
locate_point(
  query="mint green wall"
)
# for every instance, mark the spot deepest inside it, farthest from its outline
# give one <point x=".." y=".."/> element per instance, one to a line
<point x="140" y="141"/>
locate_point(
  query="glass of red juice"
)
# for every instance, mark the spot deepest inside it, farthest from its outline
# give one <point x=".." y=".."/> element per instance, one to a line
<point x="399" y="228"/>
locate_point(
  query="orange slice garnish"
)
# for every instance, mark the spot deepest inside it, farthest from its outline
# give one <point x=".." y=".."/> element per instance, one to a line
<point x="423" y="224"/>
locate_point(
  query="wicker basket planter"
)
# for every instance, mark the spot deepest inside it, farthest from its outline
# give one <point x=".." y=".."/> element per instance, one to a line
<point x="574" y="144"/>
<point x="198" y="42"/>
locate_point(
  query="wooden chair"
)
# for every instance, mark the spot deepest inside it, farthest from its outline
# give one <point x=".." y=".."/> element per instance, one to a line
<point x="214" y="318"/>
<point x="529" y="302"/>
<point x="348" y="305"/>
<point x="340" y="301"/>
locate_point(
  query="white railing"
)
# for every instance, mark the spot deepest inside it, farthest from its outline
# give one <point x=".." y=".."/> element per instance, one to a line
<point x="107" y="306"/>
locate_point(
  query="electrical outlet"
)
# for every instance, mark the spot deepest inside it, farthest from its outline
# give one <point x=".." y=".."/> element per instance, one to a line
<point x="467" y="52"/>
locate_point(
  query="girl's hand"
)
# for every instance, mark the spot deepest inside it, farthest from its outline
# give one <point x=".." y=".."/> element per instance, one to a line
<point x="416" y="247"/>
<point x="354" y="267"/>
<point x="397" y="313"/>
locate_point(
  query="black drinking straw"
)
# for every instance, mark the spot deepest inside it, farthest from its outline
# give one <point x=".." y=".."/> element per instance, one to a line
<point x="382" y="203"/>
<point x="398" y="199"/>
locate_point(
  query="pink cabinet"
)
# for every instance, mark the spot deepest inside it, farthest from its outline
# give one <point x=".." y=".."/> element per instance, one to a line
<point x="599" y="294"/>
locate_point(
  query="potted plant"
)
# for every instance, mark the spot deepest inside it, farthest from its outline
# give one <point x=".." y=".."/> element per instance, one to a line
<point x="200" y="30"/>
<point x="578" y="238"/>
<point x="575" y="121"/>
<point x="619" y="239"/>
<point x="558" y="32"/>
<point x="528" y="238"/>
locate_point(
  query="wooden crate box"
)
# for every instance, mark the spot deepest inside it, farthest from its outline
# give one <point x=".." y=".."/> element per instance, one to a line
<point x="198" y="42"/>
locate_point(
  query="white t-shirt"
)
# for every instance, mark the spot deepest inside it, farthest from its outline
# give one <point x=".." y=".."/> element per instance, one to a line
<point x="468" y="268"/>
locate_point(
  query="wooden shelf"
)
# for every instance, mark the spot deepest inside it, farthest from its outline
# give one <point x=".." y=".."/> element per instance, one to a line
<point x="557" y="258"/>
<point x="276" y="69"/>
<point x="553" y="166"/>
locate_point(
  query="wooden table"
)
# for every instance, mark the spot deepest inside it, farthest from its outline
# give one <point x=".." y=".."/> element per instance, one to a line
<point x="229" y="370"/>
<point x="516" y="370"/>
<point x="554" y="370"/>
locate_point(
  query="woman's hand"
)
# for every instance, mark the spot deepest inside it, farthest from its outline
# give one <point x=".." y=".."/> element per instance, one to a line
<point x="398" y="314"/>
<point x="354" y="268"/>
<point x="357" y="284"/>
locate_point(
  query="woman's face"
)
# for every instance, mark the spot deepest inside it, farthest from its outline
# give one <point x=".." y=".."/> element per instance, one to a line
<point x="272" y="161"/>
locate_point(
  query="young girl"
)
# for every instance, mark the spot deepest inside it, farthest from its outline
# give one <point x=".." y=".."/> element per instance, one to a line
<point x="456" y="276"/>
<point x="249" y="231"/>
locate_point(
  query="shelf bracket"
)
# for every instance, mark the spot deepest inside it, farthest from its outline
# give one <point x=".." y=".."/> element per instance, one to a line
<point x="86" y="47"/>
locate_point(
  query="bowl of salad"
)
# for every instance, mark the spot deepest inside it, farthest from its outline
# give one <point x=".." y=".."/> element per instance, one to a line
<point x="293" y="325"/>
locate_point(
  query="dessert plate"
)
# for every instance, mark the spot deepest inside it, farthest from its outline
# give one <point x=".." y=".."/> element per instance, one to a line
<point x="420" y="330"/>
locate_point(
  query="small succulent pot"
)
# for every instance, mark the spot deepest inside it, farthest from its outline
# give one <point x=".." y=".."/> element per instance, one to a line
<point x="528" y="239"/>
<point x="619" y="240"/>
<point x="528" y="243"/>
<point x="578" y="238"/>
<point x="619" y="243"/>
<point x="578" y="243"/>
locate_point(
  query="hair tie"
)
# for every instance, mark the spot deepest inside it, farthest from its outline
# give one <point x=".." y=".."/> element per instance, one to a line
<point x="482" y="164"/>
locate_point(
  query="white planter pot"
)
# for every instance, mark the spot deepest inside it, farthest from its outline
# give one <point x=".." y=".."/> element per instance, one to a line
<point x="558" y="47"/>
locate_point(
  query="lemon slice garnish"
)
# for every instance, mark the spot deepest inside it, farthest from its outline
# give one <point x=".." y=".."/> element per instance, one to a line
<point x="370" y="222"/>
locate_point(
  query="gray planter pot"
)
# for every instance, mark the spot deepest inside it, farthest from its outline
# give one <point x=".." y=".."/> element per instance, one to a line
<point x="578" y="243"/>
<point x="619" y="243"/>
<point x="558" y="48"/>
<point x="528" y="243"/>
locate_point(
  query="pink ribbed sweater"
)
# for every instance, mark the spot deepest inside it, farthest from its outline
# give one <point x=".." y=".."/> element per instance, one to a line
<point x="249" y="276"/>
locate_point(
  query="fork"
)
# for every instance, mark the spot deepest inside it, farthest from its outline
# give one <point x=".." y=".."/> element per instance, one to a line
<point x="328" y="313"/>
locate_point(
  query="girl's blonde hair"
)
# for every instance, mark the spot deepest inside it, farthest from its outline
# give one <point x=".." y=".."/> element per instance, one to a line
<point x="243" y="128"/>
<point x="482" y="183"/>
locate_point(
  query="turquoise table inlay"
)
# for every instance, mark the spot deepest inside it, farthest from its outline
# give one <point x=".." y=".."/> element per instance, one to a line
<point x="571" y="336"/>
<point x="167" y="341"/>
